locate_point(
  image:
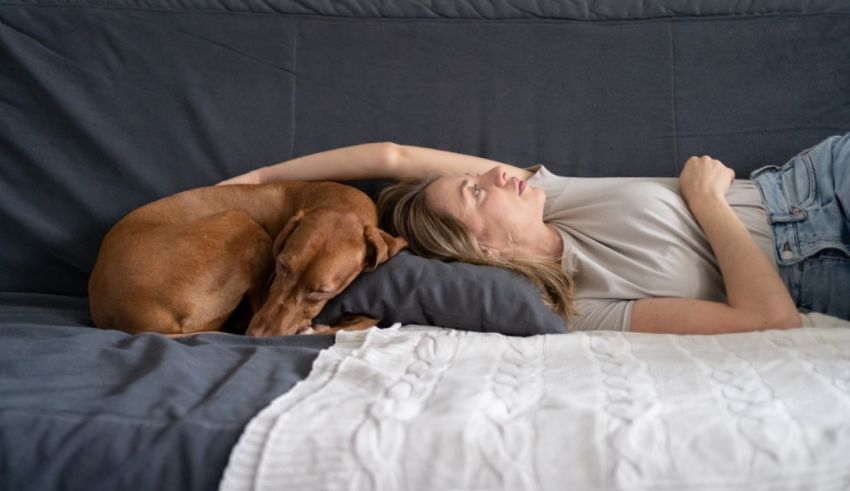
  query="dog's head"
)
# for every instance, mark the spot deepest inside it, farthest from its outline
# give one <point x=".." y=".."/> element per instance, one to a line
<point x="317" y="254"/>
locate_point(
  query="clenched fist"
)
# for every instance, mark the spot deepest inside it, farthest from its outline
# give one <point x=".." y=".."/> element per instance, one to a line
<point x="704" y="177"/>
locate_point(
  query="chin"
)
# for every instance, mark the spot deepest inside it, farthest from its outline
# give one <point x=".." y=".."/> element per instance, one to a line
<point x="539" y="199"/>
<point x="539" y="194"/>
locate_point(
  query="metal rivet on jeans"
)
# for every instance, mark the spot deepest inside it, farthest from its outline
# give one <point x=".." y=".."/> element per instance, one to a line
<point x="787" y="253"/>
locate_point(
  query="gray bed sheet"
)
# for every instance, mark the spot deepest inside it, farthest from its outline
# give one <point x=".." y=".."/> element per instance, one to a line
<point x="84" y="408"/>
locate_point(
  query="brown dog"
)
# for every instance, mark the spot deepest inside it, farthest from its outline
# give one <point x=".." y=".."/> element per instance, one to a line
<point x="183" y="264"/>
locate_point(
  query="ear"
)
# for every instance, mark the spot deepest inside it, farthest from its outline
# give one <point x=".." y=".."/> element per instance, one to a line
<point x="280" y="240"/>
<point x="490" y="251"/>
<point x="380" y="247"/>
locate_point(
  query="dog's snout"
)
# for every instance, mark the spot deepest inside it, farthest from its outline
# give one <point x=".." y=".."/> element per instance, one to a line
<point x="285" y="313"/>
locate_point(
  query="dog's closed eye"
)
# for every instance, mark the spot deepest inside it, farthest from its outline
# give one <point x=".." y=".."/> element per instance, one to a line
<point x="320" y="295"/>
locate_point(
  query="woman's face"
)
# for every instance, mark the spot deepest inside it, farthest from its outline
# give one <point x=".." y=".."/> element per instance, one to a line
<point x="493" y="205"/>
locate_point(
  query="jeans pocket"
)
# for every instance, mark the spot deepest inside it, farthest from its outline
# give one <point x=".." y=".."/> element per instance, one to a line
<point x="798" y="182"/>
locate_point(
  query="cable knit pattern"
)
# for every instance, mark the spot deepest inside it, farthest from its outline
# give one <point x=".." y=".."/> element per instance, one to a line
<point x="424" y="407"/>
<point x="380" y="438"/>
<point x="631" y="407"/>
<point x="768" y="436"/>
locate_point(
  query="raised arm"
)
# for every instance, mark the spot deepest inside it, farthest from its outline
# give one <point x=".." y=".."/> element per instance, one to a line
<point x="364" y="161"/>
<point x="384" y="160"/>
<point x="756" y="296"/>
<point x="416" y="162"/>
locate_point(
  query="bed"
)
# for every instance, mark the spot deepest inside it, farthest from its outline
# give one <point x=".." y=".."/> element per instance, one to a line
<point x="109" y="104"/>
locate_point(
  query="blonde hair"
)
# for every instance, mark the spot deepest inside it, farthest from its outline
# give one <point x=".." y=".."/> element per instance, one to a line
<point x="404" y="211"/>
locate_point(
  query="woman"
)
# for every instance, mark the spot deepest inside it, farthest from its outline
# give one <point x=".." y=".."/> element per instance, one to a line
<point x="646" y="255"/>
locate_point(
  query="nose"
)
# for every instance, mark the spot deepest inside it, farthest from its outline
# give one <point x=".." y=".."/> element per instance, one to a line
<point x="500" y="177"/>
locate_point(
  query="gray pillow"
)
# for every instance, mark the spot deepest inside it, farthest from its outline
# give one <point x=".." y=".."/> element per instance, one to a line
<point x="414" y="290"/>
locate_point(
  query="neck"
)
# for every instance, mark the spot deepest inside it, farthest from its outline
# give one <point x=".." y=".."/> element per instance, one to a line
<point x="544" y="241"/>
<point x="556" y="242"/>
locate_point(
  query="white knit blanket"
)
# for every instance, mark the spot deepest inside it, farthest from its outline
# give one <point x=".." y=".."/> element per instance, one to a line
<point x="430" y="408"/>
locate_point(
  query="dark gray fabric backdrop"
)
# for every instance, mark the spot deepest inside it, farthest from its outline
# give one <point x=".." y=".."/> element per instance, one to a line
<point x="107" y="105"/>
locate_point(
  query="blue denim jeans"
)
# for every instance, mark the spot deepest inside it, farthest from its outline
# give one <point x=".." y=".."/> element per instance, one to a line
<point x="808" y="206"/>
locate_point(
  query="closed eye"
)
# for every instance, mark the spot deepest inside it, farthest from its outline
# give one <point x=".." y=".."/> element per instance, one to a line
<point x="476" y="189"/>
<point x="317" y="295"/>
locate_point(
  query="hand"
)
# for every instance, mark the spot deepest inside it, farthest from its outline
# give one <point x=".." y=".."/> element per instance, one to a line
<point x="704" y="177"/>
<point x="252" y="177"/>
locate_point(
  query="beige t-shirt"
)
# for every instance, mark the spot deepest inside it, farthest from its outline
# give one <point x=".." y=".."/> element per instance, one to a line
<point x="627" y="238"/>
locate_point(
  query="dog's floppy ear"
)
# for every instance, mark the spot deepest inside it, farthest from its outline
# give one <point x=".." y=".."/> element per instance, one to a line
<point x="380" y="246"/>
<point x="280" y="240"/>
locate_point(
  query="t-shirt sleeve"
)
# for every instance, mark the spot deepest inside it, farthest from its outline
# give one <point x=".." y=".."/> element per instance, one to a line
<point x="602" y="315"/>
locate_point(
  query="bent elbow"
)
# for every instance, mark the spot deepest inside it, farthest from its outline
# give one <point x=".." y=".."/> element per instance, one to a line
<point x="391" y="153"/>
<point x="785" y="319"/>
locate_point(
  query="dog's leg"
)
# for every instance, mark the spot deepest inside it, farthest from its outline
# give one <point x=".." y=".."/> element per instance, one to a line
<point x="261" y="266"/>
<point x="247" y="257"/>
<point x="207" y="267"/>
